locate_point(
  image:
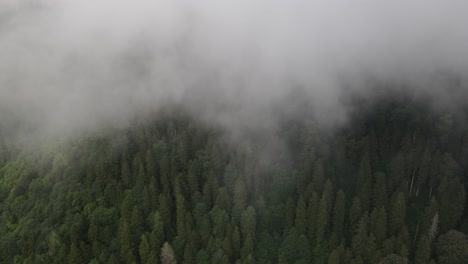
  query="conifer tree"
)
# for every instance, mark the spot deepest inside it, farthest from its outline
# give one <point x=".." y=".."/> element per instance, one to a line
<point x="397" y="213"/>
<point x="289" y="213"/>
<point x="322" y="219"/>
<point x="339" y="213"/>
<point x="381" y="226"/>
<point x="301" y="216"/>
<point x="423" y="250"/>
<point x="380" y="191"/>
<point x="312" y="212"/>
<point x="167" y="254"/>
<point x="144" y="250"/>
<point x="355" y="213"/>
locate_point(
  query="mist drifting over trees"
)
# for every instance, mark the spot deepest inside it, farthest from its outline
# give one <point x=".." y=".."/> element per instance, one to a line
<point x="233" y="131"/>
<point x="70" y="66"/>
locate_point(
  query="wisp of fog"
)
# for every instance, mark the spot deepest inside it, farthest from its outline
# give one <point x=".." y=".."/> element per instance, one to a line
<point x="70" y="66"/>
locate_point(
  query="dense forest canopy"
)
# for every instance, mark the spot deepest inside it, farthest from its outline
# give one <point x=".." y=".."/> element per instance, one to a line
<point x="260" y="131"/>
<point x="389" y="186"/>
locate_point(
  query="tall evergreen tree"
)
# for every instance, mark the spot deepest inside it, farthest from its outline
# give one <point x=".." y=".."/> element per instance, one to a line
<point x="301" y="216"/>
<point x="339" y="213"/>
<point x="397" y="213"/>
<point x="322" y="219"/>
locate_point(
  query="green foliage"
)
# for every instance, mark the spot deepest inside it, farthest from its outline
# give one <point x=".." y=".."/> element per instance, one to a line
<point x="295" y="247"/>
<point x="452" y="248"/>
<point x="322" y="219"/>
<point x="339" y="214"/>
<point x="380" y="190"/>
<point x="301" y="216"/>
<point x="393" y="259"/>
<point x="423" y="250"/>
<point x="380" y="229"/>
<point x="397" y="213"/>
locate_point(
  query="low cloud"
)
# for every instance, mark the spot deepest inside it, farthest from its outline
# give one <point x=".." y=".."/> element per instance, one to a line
<point x="72" y="66"/>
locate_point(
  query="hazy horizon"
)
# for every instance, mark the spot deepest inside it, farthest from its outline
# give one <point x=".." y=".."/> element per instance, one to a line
<point x="73" y="66"/>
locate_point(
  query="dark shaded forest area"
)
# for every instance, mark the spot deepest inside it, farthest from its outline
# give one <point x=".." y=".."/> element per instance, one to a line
<point x="388" y="187"/>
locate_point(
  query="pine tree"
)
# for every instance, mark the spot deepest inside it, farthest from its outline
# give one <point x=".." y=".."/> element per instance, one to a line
<point x="397" y="171"/>
<point x="301" y="216"/>
<point x="282" y="259"/>
<point x="236" y="242"/>
<point x="144" y="250"/>
<point x="136" y="223"/>
<point x="322" y="219"/>
<point x="167" y="254"/>
<point x="339" y="213"/>
<point x="192" y="178"/>
<point x="112" y="260"/>
<point x="451" y="202"/>
<point x="157" y="232"/>
<point x="380" y="190"/>
<point x="360" y="241"/>
<point x="318" y="175"/>
<point x="219" y="220"/>
<point x="75" y="256"/>
<point x="289" y="213"/>
<point x="381" y="226"/>
<point x="364" y="183"/>
<point x="334" y="257"/>
<point x="227" y="247"/>
<point x="125" y="174"/>
<point x="248" y="246"/>
<point x="398" y="213"/>
<point x="422" y="253"/>
<point x="312" y="212"/>
<point x="164" y="210"/>
<point x="355" y="213"/>
<point x="180" y="215"/>
<point x="249" y="222"/>
<point x="240" y="195"/>
<point x="126" y="241"/>
<point x="190" y="252"/>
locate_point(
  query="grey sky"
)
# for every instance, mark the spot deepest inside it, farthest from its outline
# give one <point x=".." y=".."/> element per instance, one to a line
<point x="76" y="65"/>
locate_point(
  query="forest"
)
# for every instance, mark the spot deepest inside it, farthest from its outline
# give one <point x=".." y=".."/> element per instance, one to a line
<point x="389" y="186"/>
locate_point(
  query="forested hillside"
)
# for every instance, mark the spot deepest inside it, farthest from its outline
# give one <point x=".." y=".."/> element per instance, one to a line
<point x="387" y="187"/>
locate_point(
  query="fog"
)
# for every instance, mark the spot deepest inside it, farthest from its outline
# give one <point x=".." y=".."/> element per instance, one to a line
<point x="72" y="66"/>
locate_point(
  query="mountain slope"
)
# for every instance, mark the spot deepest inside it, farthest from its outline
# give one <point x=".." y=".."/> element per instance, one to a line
<point x="389" y="185"/>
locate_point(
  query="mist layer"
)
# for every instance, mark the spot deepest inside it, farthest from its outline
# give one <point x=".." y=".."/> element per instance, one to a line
<point x="72" y="66"/>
